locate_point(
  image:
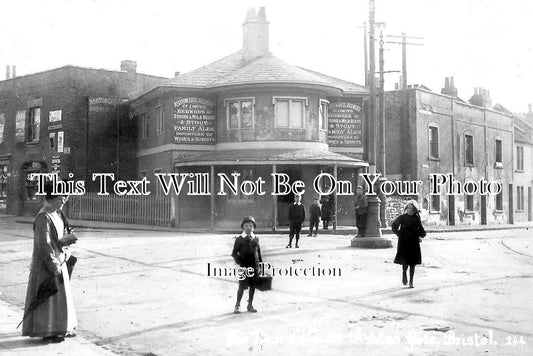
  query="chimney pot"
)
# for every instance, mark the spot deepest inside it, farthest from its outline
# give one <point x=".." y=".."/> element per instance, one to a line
<point x="446" y="82"/>
<point x="128" y="66"/>
<point x="177" y="74"/>
<point x="8" y="72"/>
<point x="530" y="105"/>
<point x="14" y="71"/>
<point x="255" y="34"/>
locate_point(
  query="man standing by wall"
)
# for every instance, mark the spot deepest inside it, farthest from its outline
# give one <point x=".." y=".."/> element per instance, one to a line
<point x="296" y="218"/>
<point x="361" y="203"/>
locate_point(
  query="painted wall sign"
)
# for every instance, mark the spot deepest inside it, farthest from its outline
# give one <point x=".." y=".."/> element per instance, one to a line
<point x="54" y="116"/>
<point x="345" y="124"/>
<point x="56" y="164"/>
<point x="194" y="121"/>
<point x="102" y="104"/>
<point x="55" y="127"/>
<point x="60" y="141"/>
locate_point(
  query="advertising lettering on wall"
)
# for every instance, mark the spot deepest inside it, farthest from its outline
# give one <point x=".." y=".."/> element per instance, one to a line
<point x="56" y="164"/>
<point x="102" y="104"/>
<point x="194" y="121"/>
<point x="345" y="124"/>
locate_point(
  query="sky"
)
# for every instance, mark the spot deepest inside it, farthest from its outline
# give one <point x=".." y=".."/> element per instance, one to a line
<point x="480" y="43"/>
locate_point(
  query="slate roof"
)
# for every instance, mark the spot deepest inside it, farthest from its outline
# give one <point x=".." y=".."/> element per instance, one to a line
<point x="234" y="70"/>
<point x="269" y="156"/>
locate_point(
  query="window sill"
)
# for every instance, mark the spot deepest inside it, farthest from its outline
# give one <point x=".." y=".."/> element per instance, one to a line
<point x="519" y="171"/>
<point x="469" y="212"/>
<point x="31" y="143"/>
<point x="498" y="165"/>
<point x="434" y="212"/>
<point x="498" y="211"/>
<point x="469" y="165"/>
<point x="240" y="128"/>
<point x="434" y="158"/>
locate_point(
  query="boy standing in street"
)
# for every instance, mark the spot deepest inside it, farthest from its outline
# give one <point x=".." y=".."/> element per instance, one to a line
<point x="296" y="218"/>
<point x="314" y="212"/>
<point x="247" y="253"/>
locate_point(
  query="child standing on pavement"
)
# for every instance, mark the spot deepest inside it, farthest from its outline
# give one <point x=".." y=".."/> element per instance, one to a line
<point x="314" y="212"/>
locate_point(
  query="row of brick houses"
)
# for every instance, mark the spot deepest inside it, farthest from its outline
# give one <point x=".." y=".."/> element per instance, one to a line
<point x="65" y="120"/>
<point x="251" y="113"/>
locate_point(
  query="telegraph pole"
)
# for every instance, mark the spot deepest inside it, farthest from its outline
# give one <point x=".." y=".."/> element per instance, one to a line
<point x="373" y="237"/>
<point x="404" y="44"/>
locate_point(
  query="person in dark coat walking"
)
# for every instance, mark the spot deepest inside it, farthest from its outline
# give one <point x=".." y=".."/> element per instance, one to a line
<point x="361" y="203"/>
<point x="314" y="212"/>
<point x="247" y="253"/>
<point x="409" y="230"/>
<point x="296" y="218"/>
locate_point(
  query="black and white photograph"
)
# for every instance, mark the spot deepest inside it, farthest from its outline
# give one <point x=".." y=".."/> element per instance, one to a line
<point x="275" y="177"/>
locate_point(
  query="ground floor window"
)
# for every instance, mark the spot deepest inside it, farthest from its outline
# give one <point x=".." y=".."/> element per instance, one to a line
<point x="30" y="184"/>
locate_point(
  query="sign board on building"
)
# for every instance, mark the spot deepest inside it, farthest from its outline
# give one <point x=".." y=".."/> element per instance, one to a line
<point x="2" y="123"/>
<point x="102" y="104"/>
<point x="345" y="123"/>
<point x="60" y="141"/>
<point x="66" y="150"/>
<point x="20" y="124"/>
<point x="194" y="121"/>
<point x="55" y="127"/>
<point x="56" y="164"/>
<point x="54" y="116"/>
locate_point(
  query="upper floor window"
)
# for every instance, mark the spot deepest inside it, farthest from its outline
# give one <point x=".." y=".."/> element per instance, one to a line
<point x="290" y="112"/>
<point x="433" y="142"/>
<point x="240" y="113"/>
<point x="159" y="114"/>
<point x="20" y="125"/>
<point x="34" y="124"/>
<point x="435" y="203"/>
<point x="499" y="153"/>
<point x="469" y="149"/>
<point x="144" y="126"/>
<point x="519" y="158"/>
<point x="323" y="115"/>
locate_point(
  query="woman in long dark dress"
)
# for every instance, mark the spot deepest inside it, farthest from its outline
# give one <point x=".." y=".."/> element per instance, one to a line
<point x="409" y="230"/>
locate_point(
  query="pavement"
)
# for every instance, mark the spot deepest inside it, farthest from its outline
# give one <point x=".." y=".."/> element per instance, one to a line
<point x="283" y="230"/>
<point x="12" y="343"/>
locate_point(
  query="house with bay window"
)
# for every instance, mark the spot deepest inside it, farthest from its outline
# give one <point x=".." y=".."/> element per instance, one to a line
<point x="251" y="115"/>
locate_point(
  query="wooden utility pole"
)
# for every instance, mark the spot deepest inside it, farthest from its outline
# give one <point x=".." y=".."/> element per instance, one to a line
<point x="404" y="44"/>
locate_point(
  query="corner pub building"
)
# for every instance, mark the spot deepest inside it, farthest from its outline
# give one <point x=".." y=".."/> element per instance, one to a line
<point x="254" y="114"/>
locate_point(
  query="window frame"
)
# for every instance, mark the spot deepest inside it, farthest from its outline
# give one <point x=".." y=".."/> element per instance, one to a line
<point x="432" y="199"/>
<point x="467" y="162"/>
<point x="160" y="120"/>
<point x="498" y="201"/>
<point x="323" y="116"/>
<point x="430" y="153"/>
<point x="520" y="198"/>
<point x="519" y="159"/>
<point x="246" y="174"/>
<point x="290" y="99"/>
<point x="469" y="198"/>
<point x="145" y="128"/>
<point x="498" y="163"/>
<point x="34" y="126"/>
<point x="239" y="101"/>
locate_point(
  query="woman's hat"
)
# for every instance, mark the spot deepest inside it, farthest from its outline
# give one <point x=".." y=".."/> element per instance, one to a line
<point x="248" y="219"/>
<point x="414" y="203"/>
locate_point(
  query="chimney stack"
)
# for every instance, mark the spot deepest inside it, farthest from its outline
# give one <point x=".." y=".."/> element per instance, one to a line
<point x="481" y="98"/>
<point x="8" y="72"/>
<point x="530" y="105"/>
<point x="449" y="87"/>
<point x="14" y="71"/>
<point x="128" y="66"/>
<point x="177" y="74"/>
<point x="255" y="34"/>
